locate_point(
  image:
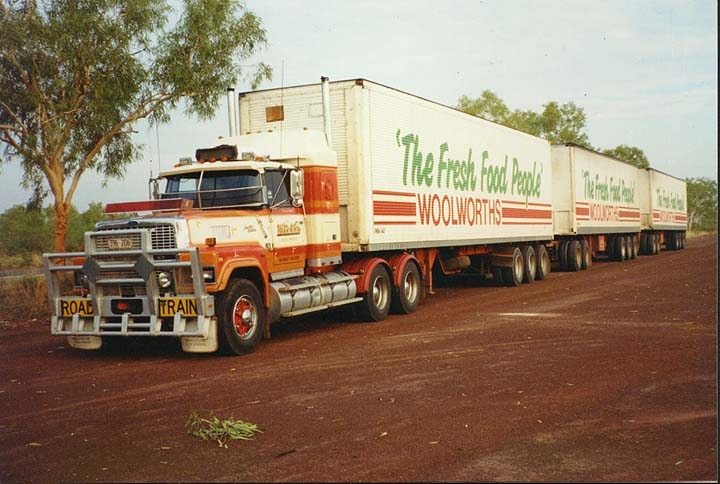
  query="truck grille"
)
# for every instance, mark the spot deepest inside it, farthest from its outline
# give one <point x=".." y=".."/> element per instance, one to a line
<point x="161" y="237"/>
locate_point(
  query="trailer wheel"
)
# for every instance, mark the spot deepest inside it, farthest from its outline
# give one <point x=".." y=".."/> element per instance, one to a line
<point x="529" y="264"/>
<point x="241" y="318"/>
<point x="513" y="275"/>
<point x="610" y="247"/>
<point x="407" y="296"/>
<point x="586" y="255"/>
<point x="644" y="244"/>
<point x="563" y="254"/>
<point x="655" y="244"/>
<point x="636" y="246"/>
<point x="632" y="246"/>
<point x="619" y="248"/>
<point x="498" y="276"/>
<point x="574" y="256"/>
<point x="376" y="302"/>
<point x="543" y="262"/>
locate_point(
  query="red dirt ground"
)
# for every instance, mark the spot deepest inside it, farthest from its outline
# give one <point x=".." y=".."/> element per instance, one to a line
<point x="605" y="375"/>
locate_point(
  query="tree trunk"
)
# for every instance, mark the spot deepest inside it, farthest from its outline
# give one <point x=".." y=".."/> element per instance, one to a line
<point x="61" y="223"/>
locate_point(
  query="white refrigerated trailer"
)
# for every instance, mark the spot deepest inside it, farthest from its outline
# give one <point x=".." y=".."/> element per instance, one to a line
<point x="596" y="206"/>
<point x="421" y="177"/>
<point x="663" y="211"/>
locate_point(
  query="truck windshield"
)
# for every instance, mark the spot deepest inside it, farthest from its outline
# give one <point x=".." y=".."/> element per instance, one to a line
<point x="218" y="189"/>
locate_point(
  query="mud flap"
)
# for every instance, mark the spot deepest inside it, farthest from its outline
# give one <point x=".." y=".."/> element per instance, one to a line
<point x="85" y="342"/>
<point x="198" y="344"/>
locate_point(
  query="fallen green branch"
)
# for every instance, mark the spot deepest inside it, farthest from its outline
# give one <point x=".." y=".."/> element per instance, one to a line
<point x="220" y="431"/>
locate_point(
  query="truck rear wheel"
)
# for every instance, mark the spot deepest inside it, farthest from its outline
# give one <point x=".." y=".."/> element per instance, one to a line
<point x="407" y="296"/>
<point x="241" y="318"/>
<point x="376" y="302"/>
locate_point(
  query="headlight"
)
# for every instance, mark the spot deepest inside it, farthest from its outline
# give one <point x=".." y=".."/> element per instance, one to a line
<point x="208" y="275"/>
<point x="165" y="279"/>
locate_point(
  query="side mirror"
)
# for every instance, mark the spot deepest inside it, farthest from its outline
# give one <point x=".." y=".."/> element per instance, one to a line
<point x="297" y="187"/>
<point x="154" y="189"/>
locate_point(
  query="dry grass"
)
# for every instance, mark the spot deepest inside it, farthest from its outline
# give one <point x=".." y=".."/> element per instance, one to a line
<point x="23" y="299"/>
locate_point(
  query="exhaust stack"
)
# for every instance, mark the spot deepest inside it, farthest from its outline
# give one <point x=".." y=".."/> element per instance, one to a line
<point x="325" y="84"/>
<point x="232" y="112"/>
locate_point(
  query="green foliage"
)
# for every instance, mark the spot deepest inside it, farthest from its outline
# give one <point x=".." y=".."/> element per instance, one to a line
<point x="702" y="204"/>
<point x="557" y="123"/>
<point x="631" y="154"/>
<point x="488" y="106"/>
<point x="79" y="223"/>
<point x="25" y="230"/>
<point x="28" y="231"/>
<point x="76" y="76"/>
<point x="220" y="431"/>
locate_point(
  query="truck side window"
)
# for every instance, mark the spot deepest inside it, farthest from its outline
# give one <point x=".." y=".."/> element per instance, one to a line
<point x="181" y="187"/>
<point x="278" y="185"/>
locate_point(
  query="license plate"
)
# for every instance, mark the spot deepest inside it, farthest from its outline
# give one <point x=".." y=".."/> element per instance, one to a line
<point x="119" y="243"/>
<point x="81" y="307"/>
<point x="169" y="306"/>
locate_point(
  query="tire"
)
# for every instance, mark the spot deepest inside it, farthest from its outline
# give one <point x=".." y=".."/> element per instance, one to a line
<point x="241" y="318"/>
<point x="643" y="244"/>
<point x="630" y="245"/>
<point x="655" y="244"/>
<point x="619" y="248"/>
<point x="586" y="255"/>
<point x="636" y="246"/>
<point x="574" y="256"/>
<point x="529" y="264"/>
<point x="610" y="247"/>
<point x="543" y="262"/>
<point x="513" y="276"/>
<point x="376" y="302"/>
<point x="407" y="295"/>
<point x="498" y="276"/>
<point x="563" y="253"/>
<point x="670" y="240"/>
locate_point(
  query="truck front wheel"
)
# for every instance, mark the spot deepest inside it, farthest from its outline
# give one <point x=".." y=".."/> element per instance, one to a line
<point x="376" y="303"/>
<point x="241" y="318"/>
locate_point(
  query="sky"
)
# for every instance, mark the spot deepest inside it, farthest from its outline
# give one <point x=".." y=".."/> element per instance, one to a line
<point x="644" y="72"/>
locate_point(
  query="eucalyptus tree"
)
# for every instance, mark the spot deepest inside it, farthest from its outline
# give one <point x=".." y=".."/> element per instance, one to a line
<point x="76" y="75"/>
<point x="631" y="154"/>
<point x="558" y="123"/>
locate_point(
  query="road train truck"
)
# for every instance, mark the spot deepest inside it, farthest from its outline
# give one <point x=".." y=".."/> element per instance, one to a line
<point x="324" y="195"/>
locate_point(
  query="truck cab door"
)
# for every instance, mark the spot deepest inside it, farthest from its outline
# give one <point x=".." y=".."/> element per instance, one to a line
<point x="287" y="224"/>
